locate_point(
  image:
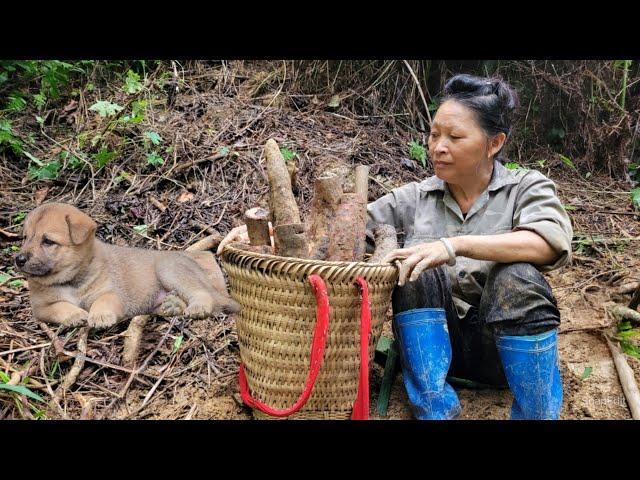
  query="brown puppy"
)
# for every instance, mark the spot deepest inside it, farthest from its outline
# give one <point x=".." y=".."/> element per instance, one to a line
<point x="76" y="279"/>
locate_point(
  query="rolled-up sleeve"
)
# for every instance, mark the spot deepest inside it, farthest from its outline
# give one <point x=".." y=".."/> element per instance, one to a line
<point x="395" y="208"/>
<point x="539" y="210"/>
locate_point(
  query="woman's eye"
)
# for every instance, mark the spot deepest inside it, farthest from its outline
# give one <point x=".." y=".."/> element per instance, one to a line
<point x="46" y="241"/>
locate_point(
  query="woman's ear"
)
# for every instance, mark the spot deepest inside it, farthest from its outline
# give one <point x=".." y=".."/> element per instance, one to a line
<point x="496" y="143"/>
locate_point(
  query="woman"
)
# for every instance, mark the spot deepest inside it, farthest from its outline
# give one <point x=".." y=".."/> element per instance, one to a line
<point x="471" y="301"/>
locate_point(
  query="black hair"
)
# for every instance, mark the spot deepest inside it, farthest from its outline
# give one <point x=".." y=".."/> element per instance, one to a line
<point x="492" y="99"/>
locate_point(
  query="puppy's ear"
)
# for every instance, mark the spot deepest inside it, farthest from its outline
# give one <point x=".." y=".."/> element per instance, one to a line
<point x="81" y="227"/>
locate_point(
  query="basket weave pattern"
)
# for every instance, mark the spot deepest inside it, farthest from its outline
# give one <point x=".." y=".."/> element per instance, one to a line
<point x="275" y="327"/>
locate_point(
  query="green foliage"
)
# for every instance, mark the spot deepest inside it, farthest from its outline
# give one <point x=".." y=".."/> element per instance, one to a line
<point x="4" y="278"/>
<point x="141" y="229"/>
<point x="16" y="103"/>
<point x="105" y="108"/>
<point x="19" y="217"/>
<point x="138" y="109"/>
<point x="586" y="373"/>
<point x="287" y="154"/>
<point x="418" y="152"/>
<point x="153" y="137"/>
<point x="42" y="170"/>
<point x="8" y="138"/>
<point x="21" y="390"/>
<point x="513" y="166"/>
<point x="16" y="284"/>
<point x="154" y="159"/>
<point x="104" y="156"/>
<point x="635" y="197"/>
<point x="132" y="83"/>
<point x="567" y="161"/>
<point x="73" y="162"/>
<point x="177" y="343"/>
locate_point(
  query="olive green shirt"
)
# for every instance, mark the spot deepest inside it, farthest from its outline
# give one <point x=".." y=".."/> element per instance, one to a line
<point x="514" y="200"/>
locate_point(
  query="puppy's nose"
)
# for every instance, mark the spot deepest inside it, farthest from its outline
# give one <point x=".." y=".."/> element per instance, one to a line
<point x="21" y="259"/>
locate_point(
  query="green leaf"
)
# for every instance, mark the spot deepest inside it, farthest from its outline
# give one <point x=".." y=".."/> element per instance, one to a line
<point x="418" y="152"/>
<point x="177" y="343"/>
<point x="334" y="101"/>
<point x="569" y="208"/>
<point x="628" y="333"/>
<point x="103" y="157"/>
<point x="40" y="120"/>
<point x="288" y="154"/>
<point x="224" y="151"/>
<point x="16" y="284"/>
<point x="541" y="163"/>
<point x="123" y="176"/>
<point x="567" y="161"/>
<point x="153" y="137"/>
<point x="141" y="229"/>
<point x="635" y="197"/>
<point x="4" y="277"/>
<point x="49" y="171"/>
<point x="39" y="100"/>
<point x="4" y="378"/>
<point x="18" y="217"/>
<point x="512" y="166"/>
<point x="132" y="83"/>
<point x="16" y="103"/>
<point x="586" y="373"/>
<point x="154" y="159"/>
<point x="22" y="390"/>
<point x="105" y="109"/>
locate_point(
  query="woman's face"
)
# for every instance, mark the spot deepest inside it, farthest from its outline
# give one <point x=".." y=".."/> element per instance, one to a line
<point x="458" y="147"/>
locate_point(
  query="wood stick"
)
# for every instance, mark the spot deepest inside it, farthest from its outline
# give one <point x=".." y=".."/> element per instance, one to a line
<point x="347" y="235"/>
<point x="283" y="205"/>
<point x="207" y="243"/>
<point x="362" y="189"/>
<point x="627" y="379"/>
<point x="621" y="313"/>
<point x="362" y="181"/>
<point x="257" y="222"/>
<point x="386" y="240"/>
<point x="291" y="240"/>
<point x="327" y="195"/>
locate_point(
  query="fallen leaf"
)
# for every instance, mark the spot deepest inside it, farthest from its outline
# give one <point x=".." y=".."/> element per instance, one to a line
<point x="334" y="102"/>
<point x="41" y="195"/>
<point x="185" y="197"/>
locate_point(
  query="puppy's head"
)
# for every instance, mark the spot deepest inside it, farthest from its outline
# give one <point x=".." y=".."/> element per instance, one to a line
<point x="57" y="238"/>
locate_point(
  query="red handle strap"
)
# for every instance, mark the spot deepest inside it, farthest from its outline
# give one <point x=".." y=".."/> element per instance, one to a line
<point x="361" y="405"/>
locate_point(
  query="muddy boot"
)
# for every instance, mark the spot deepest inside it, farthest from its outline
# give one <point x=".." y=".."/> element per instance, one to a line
<point x="531" y="366"/>
<point x="425" y="353"/>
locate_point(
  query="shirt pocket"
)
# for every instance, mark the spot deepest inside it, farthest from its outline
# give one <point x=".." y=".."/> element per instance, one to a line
<point x="494" y="222"/>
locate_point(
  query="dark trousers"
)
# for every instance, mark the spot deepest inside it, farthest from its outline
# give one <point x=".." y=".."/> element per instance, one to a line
<point x="516" y="300"/>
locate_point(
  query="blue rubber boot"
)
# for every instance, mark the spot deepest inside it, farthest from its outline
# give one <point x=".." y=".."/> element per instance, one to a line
<point x="425" y="353"/>
<point x="531" y="367"/>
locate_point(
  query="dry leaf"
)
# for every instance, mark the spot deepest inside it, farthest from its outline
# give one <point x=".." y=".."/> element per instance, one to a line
<point x="185" y="197"/>
<point x="41" y="195"/>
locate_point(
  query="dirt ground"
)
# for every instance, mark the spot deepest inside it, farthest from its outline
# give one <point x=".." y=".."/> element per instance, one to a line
<point x="193" y="364"/>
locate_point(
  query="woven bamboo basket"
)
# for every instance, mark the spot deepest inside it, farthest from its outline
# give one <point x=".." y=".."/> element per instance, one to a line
<point x="276" y="323"/>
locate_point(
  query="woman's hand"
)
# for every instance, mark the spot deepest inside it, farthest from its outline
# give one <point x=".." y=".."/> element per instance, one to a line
<point x="238" y="234"/>
<point x="417" y="259"/>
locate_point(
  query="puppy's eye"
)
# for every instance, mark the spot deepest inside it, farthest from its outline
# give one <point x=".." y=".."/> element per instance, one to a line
<point x="48" y="242"/>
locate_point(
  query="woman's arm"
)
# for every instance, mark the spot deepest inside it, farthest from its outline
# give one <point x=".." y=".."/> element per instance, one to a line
<point x="520" y="246"/>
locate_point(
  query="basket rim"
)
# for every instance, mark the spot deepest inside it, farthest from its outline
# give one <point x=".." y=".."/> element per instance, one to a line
<point x="229" y="250"/>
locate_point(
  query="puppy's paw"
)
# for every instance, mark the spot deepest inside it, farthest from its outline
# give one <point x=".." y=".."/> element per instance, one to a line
<point x="102" y="319"/>
<point x="172" y="306"/>
<point x="200" y="309"/>
<point x="78" y="318"/>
